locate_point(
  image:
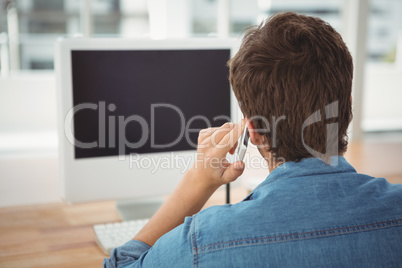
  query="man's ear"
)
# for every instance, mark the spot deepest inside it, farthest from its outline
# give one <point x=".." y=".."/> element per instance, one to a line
<point x="255" y="137"/>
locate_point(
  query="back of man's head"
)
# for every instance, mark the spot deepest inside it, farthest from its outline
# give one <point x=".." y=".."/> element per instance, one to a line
<point x="288" y="68"/>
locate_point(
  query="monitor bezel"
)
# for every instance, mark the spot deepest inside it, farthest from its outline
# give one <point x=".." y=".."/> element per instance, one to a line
<point x="113" y="180"/>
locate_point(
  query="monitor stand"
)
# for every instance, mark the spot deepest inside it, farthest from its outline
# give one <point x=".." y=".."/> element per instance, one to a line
<point x="135" y="209"/>
<point x="144" y="208"/>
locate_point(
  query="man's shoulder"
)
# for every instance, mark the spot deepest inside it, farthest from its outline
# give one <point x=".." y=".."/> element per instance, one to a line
<point x="273" y="210"/>
<point x="380" y="191"/>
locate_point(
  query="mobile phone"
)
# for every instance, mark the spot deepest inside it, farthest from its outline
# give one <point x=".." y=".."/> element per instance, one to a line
<point x="242" y="145"/>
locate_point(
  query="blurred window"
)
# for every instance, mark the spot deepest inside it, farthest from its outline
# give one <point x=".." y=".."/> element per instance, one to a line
<point x="40" y="22"/>
<point x="385" y="23"/>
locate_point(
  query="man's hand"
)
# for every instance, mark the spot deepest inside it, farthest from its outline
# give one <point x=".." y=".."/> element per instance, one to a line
<point x="210" y="171"/>
<point x="211" y="166"/>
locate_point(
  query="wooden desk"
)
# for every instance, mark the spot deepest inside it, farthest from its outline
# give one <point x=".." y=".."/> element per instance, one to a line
<point x="60" y="235"/>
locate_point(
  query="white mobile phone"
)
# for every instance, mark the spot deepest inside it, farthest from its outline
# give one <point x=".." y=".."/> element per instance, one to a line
<point x="242" y="145"/>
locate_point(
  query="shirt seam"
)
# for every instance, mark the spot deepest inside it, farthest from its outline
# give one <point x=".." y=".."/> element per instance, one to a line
<point x="299" y="236"/>
<point x="195" y="247"/>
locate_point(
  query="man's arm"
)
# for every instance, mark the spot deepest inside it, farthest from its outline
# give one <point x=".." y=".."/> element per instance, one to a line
<point x="210" y="171"/>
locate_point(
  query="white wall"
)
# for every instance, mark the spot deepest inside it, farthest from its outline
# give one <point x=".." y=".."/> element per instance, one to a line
<point x="28" y="140"/>
<point x="28" y="103"/>
<point x="382" y="98"/>
<point x="28" y="113"/>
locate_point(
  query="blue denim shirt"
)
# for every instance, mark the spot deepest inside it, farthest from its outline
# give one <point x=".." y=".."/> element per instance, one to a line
<point x="305" y="214"/>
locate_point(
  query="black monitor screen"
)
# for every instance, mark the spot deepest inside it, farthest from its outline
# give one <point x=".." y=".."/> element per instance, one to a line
<point x="146" y="101"/>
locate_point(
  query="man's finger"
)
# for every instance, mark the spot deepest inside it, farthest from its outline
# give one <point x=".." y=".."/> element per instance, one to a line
<point x="218" y="135"/>
<point x="230" y="139"/>
<point x="233" y="149"/>
<point x="233" y="171"/>
<point x="206" y="132"/>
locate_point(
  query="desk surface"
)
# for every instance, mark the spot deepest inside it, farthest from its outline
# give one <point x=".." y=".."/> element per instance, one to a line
<point x="60" y="235"/>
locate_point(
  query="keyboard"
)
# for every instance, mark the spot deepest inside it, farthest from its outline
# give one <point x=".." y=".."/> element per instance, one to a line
<point x="113" y="235"/>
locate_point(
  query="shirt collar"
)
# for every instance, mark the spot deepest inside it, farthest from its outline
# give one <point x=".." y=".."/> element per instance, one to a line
<point x="307" y="167"/>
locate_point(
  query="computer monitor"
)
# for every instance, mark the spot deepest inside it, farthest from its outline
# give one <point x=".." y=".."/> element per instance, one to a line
<point x="129" y="112"/>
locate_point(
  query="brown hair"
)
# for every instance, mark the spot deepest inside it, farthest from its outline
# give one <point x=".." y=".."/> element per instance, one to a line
<point x="288" y="68"/>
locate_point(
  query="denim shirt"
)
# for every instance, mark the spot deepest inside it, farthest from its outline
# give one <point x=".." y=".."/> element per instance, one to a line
<point x="305" y="214"/>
